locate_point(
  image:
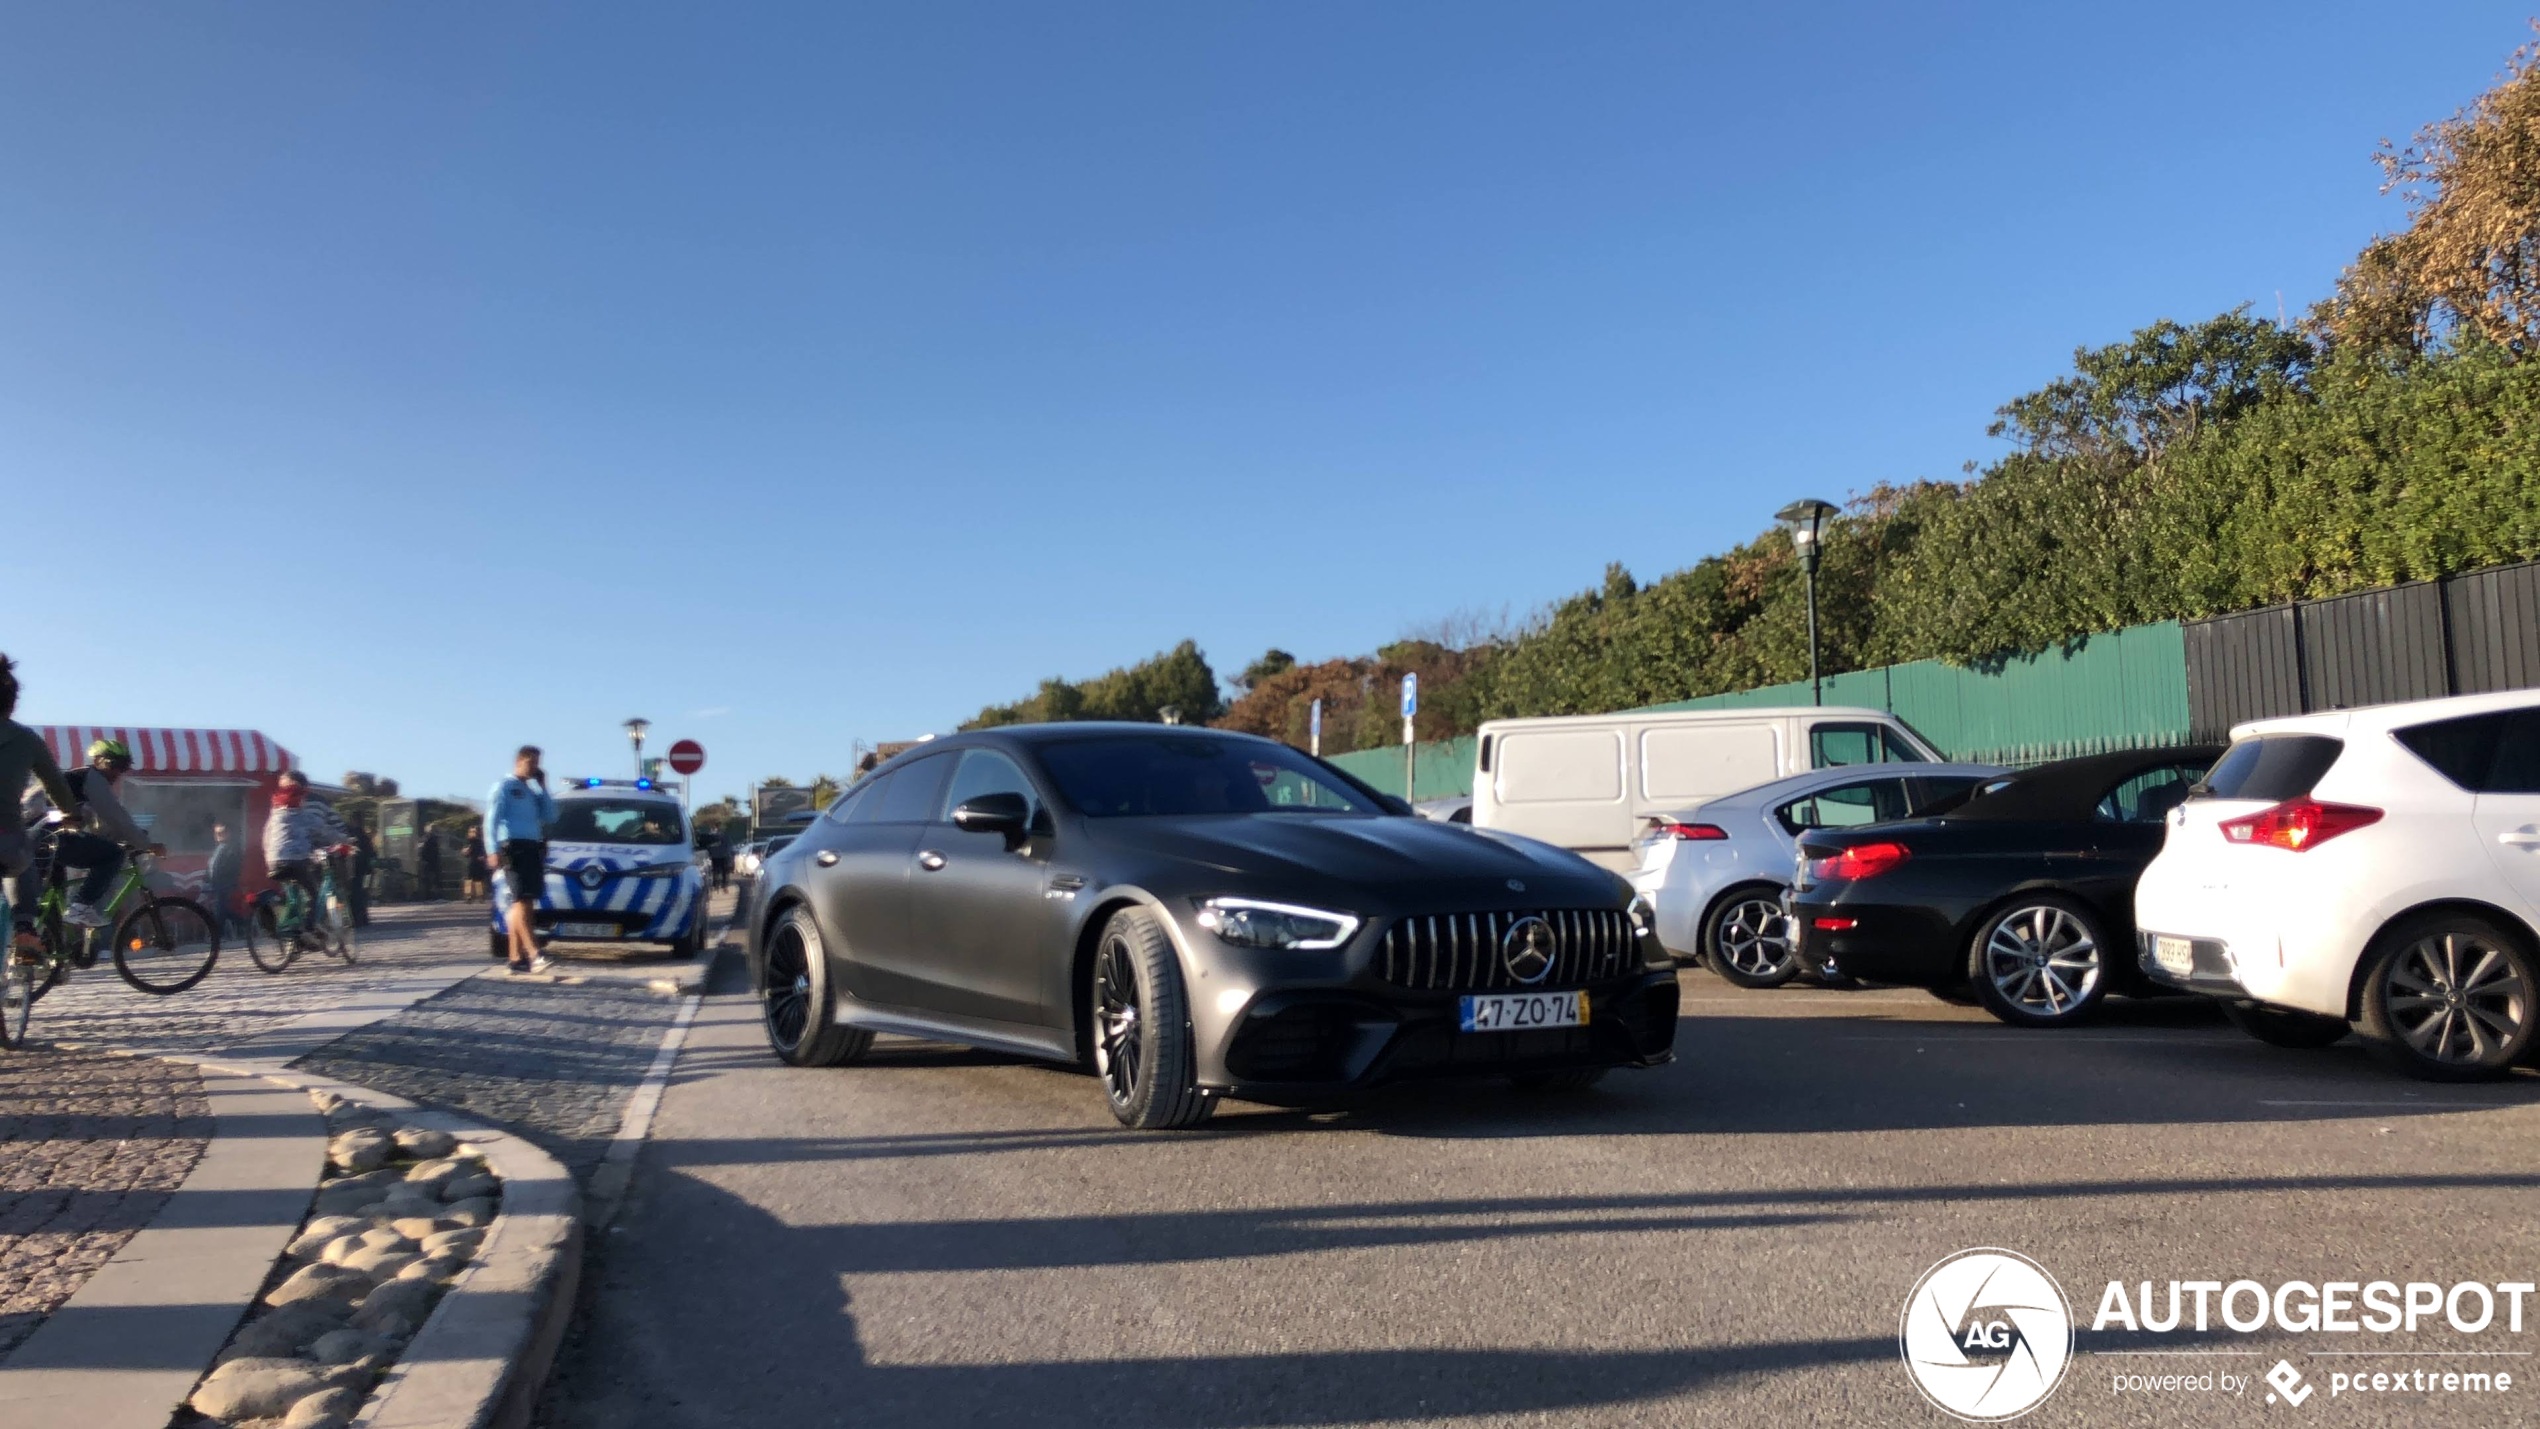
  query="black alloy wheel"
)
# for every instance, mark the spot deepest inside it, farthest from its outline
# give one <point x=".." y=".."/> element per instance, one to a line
<point x="1748" y="938"/>
<point x="2450" y="998"/>
<point x="2039" y="961"/>
<point x="794" y="1003"/>
<point x="1141" y="1028"/>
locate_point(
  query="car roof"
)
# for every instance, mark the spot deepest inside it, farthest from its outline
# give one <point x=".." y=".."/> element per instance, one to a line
<point x="2390" y="716"/>
<point x="1701" y="716"/>
<point x="1791" y="786"/>
<point x="2067" y="788"/>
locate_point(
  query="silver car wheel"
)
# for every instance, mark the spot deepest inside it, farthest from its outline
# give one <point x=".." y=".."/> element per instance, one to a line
<point x="1754" y="937"/>
<point x="2042" y="960"/>
<point x="2457" y="998"/>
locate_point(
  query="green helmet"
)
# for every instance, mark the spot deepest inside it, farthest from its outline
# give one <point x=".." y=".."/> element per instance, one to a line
<point x="114" y="750"/>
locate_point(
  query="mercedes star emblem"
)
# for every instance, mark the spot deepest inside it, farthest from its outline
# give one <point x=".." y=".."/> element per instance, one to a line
<point x="1528" y="950"/>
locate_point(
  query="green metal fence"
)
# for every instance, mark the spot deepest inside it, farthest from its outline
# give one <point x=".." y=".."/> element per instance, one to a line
<point x="2126" y="689"/>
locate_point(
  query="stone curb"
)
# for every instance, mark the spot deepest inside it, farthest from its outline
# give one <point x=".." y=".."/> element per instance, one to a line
<point x="126" y="1349"/>
<point x="482" y="1357"/>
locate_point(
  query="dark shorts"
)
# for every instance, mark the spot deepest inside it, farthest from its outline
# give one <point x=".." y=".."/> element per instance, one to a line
<point x="525" y="867"/>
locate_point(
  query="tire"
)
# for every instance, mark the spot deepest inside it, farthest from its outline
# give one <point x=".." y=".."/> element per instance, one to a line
<point x="502" y="946"/>
<point x="794" y="1002"/>
<point x="345" y="941"/>
<point x="1746" y="938"/>
<point x="2450" y="998"/>
<point x="1567" y="1082"/>
<point x="1143" y="1046"/>
<point x="265" y="944"/>
<point x="693" y="942"/>
<point x="2039" y="960"/>
<point x="166" y="945"/>
<point x="2279" y="1027"/>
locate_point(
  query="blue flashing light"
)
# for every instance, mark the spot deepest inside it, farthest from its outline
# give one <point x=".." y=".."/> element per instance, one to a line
<point x="643" y="783"/>
<point x="590" y="783"/>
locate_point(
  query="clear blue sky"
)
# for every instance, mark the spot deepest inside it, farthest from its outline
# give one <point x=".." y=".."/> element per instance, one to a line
<point x="409" y="381"/>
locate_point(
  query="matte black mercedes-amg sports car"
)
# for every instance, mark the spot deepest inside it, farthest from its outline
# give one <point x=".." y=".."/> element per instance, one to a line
<point x="2022" y="895"/>
<point x="1195" y="913"/>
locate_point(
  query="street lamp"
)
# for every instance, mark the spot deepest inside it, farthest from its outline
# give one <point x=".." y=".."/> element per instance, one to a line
<point x="1806" y="519"/>
<point x="635" y="731"/>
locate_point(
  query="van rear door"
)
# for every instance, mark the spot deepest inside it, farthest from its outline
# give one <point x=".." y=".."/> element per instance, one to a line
<point x="1564" y="786"/>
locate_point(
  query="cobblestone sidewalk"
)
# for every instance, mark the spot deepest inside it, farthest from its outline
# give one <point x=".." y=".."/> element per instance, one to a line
<point x="91" y="1145"/>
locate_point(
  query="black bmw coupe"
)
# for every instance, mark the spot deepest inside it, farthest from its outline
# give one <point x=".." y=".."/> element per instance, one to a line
<point x="1194" y="913"/>
<point x="2021" y="895"/>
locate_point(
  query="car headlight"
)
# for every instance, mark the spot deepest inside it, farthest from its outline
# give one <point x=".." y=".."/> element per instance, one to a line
<point x="1644" y="914"/>
<point x="1249" y="923"/>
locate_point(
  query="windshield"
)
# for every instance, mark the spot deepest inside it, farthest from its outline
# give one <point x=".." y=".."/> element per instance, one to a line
<point x="616" y="821"/>
<point x="1124" y="775"/>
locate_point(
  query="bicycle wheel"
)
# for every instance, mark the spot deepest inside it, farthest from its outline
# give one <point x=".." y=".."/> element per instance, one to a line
<point x="166" y="945"/>
<point x="341" y="936"/>
<point x="265" y="943"/>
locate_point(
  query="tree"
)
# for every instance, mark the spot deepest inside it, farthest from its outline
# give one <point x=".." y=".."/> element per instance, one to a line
<point x="1179" y="677"/>
<point x="1273" y="661"/>
<point x="2469" y="258"/>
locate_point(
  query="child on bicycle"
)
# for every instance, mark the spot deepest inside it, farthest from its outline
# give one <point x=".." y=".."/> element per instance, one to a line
<point x="297" y="835"/>
<point x="23" y="757"/>
<point x="96" y="829"/>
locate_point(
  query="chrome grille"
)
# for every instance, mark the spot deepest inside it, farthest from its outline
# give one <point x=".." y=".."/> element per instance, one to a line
<point x="1461" y="950"/>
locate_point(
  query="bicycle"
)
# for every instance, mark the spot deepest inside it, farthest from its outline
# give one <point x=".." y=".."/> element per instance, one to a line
<point x="162" y="945"/>
<point x="291" y="927"/>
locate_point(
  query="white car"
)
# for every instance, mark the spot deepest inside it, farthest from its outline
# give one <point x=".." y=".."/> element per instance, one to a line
<point x="2375" y="869"/>
<point x="1716" y="870"/>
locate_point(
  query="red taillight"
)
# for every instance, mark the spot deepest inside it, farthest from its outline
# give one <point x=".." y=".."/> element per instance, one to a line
<point x="1864" y="861"/>
<point x="1835" y="925"/>
<point x="2297" y="824"/>
<point x="1670" y="829"/>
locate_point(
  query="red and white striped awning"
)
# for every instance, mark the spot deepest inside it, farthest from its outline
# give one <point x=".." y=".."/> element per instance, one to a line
<point x="172" y="751"/>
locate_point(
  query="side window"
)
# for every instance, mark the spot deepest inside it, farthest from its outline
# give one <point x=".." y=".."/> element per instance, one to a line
<point x="1900" y="750"/>
<point x="1872" y="801"/>
<point x="856" y="806"/>
<point x="2148" y="797"/>
<point x="910" y="796"/>
<point x="1833" y="746"/>
<point x="985" y="771"/>
<point x="2468" y="751"/>
<point x="2517" y="767"/>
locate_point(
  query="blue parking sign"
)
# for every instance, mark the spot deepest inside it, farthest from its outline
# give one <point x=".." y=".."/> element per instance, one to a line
<point x="1410" y="695"/>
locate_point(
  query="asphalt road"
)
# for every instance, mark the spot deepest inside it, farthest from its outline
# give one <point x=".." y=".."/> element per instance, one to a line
<point x="941" y="1237"/>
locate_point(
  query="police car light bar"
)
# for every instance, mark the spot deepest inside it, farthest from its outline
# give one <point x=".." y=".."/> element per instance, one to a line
<point x="657" y="785"/>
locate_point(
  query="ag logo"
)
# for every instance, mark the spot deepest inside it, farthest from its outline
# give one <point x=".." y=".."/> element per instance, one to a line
<point x="1986" y="1334"/>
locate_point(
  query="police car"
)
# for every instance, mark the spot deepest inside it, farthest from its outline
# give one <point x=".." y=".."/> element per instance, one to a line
<point x="621" y="868"/>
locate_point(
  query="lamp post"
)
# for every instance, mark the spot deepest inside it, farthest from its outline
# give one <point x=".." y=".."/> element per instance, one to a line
<point x="1806" y="519"/>
<point x="635" y="731"/>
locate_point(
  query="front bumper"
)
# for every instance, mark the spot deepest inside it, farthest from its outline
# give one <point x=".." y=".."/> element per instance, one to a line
<point x="658" y="908"/>
<point x="1304" y="1043"/>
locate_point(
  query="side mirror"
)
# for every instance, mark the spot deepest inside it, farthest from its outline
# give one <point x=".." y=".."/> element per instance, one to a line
<point x="1007" y="814"/>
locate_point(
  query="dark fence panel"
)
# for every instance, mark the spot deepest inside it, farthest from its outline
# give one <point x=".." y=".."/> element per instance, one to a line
<point x="2495" y="626"/>
<point x="2377" y="647"/>
<point x="2242" y="667"/>
<point x="2466" y="634"/>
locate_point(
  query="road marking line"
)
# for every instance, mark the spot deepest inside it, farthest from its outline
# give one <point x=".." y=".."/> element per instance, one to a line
<point x="617" y="1167"/>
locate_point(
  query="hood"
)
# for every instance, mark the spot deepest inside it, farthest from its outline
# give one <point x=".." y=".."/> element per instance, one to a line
<point x="616" y="858"/>
<point x="1401" y="864"/>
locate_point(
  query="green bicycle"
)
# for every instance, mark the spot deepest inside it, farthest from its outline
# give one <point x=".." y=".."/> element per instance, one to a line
<point x="162" y="945"/>
<point x="282" y="925"/>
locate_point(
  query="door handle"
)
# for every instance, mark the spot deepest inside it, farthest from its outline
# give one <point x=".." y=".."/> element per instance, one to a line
<point x="2525" y="837"/>
<point x="826" y="858"/>
<point x="930" y="860"/>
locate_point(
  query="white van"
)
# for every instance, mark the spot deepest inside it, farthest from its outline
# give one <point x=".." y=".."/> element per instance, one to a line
<point x="1588" y="782"/>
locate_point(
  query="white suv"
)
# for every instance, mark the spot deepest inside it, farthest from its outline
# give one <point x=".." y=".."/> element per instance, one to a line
<point x="2374" y="868"/>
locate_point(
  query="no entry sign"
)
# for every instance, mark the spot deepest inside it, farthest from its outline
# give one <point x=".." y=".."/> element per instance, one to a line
<point x="687" y="756"/>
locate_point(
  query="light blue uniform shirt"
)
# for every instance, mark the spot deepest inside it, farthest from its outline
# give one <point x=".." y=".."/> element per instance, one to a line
<point x="517" y="809"/>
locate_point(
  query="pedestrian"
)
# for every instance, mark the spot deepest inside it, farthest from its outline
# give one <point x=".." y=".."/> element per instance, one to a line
<point x="365" y="861"/>
<point x="472" y="854"/>
<point x="220" y="876"/>
<point x="518" y="813"/>
<point x="428" y="864"/>
<point x="23" y="759"/>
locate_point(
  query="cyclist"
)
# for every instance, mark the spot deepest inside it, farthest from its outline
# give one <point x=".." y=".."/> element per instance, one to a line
<point x="97" y="830"/>
<point x="297" y="834"/>
<point x="23" y="757"/>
